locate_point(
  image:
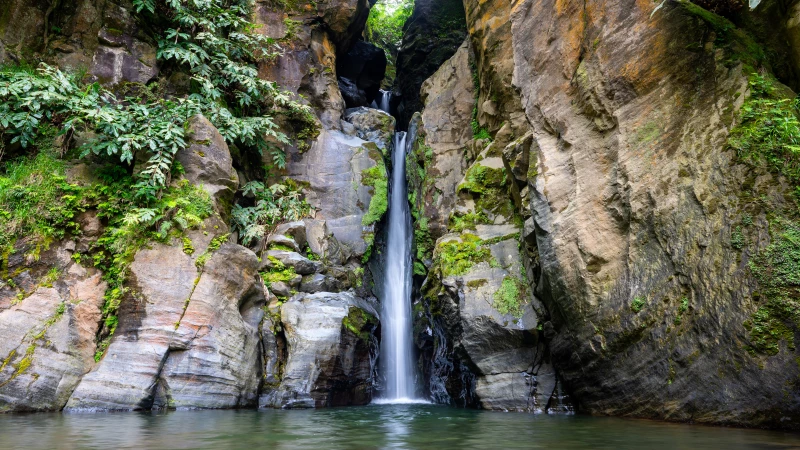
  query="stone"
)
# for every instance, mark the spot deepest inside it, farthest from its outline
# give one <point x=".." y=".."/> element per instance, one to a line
<point x="48" y="341"/>
<point x="364" y="65"/>
<point x="280" y="288"/>
<point x="301" y="264"/>
<point x="443" y="130"/>
<point x="333" y="168"/>
<point x="181" y="318"/>
<point x="352" y="95"/>
<point x="329" y="348"/>
<point x="283" y="241"/>
<point x="207" y="162"/>
<point x="372" y="125"/>
<point x="313" y="284"/>
<point x="215" y="355"/>
<point x="295" y="230"/>
<point x="433" y="34"/>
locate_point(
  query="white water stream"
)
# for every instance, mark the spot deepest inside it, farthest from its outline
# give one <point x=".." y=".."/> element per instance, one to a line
<point x="397" y="363"/>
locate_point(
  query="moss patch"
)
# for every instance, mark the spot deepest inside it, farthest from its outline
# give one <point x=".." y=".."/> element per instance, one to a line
<point x="509" y="298"/>
<point x="777" y="269"/>
<point x="377" y="178"/>
<point x="360" y="323"/>
<point x="456" y="258"/>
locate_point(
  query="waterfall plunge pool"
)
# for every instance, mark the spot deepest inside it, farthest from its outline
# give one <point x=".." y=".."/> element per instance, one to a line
<point x="369" y="427"/>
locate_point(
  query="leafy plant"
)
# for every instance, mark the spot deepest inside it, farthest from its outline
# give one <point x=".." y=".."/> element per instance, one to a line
<point x="385" y="24"/>
<point x="273" y="205"/>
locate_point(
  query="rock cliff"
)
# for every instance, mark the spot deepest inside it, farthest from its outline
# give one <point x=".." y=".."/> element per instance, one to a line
<point x="605" y="205"/>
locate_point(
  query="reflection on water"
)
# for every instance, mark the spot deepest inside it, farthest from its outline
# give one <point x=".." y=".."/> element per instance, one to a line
<point x="371" y="427"/>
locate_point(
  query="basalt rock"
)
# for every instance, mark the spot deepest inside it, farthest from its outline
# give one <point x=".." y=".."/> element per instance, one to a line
<point x="48" y="339"/>
<point x="207" y="162"/>
<point x="364" y="66"/>
<point x="431" y="36"/>
<point x="101" y="35"/>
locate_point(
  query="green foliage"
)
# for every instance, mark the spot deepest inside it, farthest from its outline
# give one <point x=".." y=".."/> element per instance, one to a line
<point x="777" y="269"/>
<point x="36" y="201"/>
<point x="457" y="257"/>
<point x="211" y="39"/>
<point x="509" y="298"/>
<point x="378" y="179"/>
<point x="682" y="308"/>
<point x="468" y="221"/>
<point x="385" y="24"/>
<point x="360" y="323"/>
<point x="273" y="205"/>
<point x="768" y="134"/>
<point x="638" y="304"/>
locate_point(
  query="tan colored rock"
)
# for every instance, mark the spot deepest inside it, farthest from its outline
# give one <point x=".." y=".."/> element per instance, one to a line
<point x="439" y="138"/>
<point x="47" y="341"/>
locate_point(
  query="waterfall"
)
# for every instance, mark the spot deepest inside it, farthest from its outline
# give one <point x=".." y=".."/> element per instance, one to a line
<point x="384" y="105"/>
<point x="396" y="355"/>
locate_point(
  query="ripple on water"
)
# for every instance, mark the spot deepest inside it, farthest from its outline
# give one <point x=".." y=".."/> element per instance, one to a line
<point x="404" y="426"/>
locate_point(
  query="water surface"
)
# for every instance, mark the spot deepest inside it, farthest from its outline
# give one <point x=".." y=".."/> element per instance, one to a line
<point x="371" y="427"/>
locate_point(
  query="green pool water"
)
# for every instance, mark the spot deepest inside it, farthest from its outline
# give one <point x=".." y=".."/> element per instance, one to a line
<point x="370" y="427"/>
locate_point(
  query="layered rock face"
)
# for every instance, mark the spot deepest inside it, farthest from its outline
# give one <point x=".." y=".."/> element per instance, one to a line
<point x="477" y="300"/>
<point x="640" y="241"/>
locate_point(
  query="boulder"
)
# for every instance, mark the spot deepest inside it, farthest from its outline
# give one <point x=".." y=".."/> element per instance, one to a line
<point x="372" y="125"/>
<point x="329" y="348"/>
<point x="295" y="230"/>
<point x="333" y="169"/>
<point x="353" y="96"/>
<point x="319" y="283"/>
<point x="283" y="241"/>
<point x="301" y="264"/>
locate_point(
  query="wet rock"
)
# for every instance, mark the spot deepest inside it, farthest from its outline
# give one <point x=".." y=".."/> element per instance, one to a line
<point x="329" y="349"/>
<point x="364" y="65"/>
<point x="353" y="96"/>
<point x="372" y="125"/>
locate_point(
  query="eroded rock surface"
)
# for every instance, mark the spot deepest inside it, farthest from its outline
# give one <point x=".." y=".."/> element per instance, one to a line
<point x="330" y="348"/>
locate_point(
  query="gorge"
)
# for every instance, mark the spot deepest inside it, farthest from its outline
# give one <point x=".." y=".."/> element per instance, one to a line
<point x="581" y="210"/>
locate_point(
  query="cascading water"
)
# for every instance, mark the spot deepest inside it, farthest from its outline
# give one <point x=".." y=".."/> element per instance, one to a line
<point x="386" y="98"/>
<point x="396" y="356"/>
